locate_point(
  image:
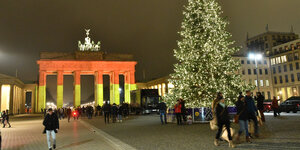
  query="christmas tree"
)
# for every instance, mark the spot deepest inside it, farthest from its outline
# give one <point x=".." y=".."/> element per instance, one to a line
<point x="205" y="63"/>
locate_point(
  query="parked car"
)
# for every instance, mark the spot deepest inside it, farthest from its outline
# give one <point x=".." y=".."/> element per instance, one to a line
<point x="267" y="105"/>
<point x="288" y="106"/>
<point x="296" y="101"/>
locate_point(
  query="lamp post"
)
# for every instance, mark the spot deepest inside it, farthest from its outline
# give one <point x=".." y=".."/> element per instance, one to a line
<point x="255" y="57"/>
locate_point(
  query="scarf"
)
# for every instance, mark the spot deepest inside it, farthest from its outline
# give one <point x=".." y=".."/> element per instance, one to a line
<point x="222" y="104"/>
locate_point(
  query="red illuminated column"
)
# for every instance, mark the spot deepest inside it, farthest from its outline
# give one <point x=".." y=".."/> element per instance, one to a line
<point x="42" y="91"/>
<point x="60" y="89"/>
<point x="77" y="89"/>
<point x="99" y="88"/>
<point x="114" y="88"/>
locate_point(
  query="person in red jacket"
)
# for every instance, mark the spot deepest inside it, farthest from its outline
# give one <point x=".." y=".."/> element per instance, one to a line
<point x="275" y="106"/>
<point x="178" y="112"/>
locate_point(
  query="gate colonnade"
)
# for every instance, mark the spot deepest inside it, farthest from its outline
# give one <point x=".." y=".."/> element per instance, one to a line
<point x="78" y="68"/>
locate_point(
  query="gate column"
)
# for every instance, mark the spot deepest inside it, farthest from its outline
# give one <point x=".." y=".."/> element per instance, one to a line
<point x="42" y="91"/>
<point x="99" y="88"/>
<point x="60" y="89"/>
<point x="127" y="87"/>
<point x="77" y="89"/>
<point x="114" y="88"/>
<point x="132" y="81"/>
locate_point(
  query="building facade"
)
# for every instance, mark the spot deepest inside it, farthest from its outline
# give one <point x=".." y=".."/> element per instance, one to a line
<point x="266" y="41"/>
<point x="285" y="69"/>
<point x="13" y="95"/>
<point x="162" y="84"/>
<point x="263" y="74"/>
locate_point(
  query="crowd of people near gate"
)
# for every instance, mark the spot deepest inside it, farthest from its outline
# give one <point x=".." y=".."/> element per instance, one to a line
<point x="113" y="112"/>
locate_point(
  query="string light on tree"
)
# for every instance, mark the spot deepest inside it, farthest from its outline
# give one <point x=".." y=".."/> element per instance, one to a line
<point x="205" y="63"/>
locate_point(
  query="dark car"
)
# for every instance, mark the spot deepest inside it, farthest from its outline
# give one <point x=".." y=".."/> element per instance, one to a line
<point x="296" y="101"/>
<point x="267" y="105"/>
<point x="288" y="106"/>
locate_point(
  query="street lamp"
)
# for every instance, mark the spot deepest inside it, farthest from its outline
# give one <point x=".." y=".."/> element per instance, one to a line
<point x="255" y="57"/>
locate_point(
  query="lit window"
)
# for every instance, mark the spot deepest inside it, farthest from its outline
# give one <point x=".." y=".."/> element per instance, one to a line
<point x="255" y="81"/>
<point x="278" y="61"/>
<point x="273" y="62"/>
<point x="261" y="83"/>
<point x="267" y="83"/>
<point x="283" y="59"/>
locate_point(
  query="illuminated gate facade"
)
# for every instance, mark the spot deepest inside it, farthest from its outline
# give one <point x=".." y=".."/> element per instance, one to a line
<point x="87" y="61"/>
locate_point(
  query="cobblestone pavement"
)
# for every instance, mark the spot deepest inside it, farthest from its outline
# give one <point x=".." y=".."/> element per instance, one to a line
<point x="27" y="135"/>
<point x="146" y="133"/>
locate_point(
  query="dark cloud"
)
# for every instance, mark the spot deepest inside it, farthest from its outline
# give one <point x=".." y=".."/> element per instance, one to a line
<point x="145" y="28"/>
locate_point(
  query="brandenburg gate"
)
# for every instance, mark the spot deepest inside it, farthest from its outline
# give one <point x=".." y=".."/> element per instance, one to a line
<point x="88" y="60"/>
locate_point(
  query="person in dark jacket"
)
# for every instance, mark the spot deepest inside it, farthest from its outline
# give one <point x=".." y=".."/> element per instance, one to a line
<point x="106" y="109"/>
<point x="69" y="113"/>
<point x="114" y="111"/>
<point x="252" y="111"/>
<point x="163" y="112"/>
<point x="183" y="110"/>
<point x="223" y="119"/>
<point x="243" y="118"/>
<point x="51" y="124"/>
<point x="260" y="105"/>
<point x="98" y="110"/>
<point x="5" y="117"/>
<point x="120" y="112"/>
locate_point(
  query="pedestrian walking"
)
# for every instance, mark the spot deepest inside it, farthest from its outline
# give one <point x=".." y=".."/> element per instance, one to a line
<point x="59" y="113"/>
<point x="162" y="111"/>
<point x="88" y="112"/>
<point x="106" y="110"/>
<point x="5" y="119"/>
<point x="252" y="111"/>
<point x="214" y="123"/>
<point x="260" y="105"/>
<point x="114" y="112"/>
<point x="45" y="112"/>
<point x="69" y="113"/>
<point x="120" y="112"/>
<point x="98" y="110"/>
<point x="242" y="115"/>
<point x="183" y="110"/>
<point x="223" y="119"/>
<point x="215" y="103"/>
<point x="178" y="112"/>
<point x="275" y="106"/>
<point x="51" y="124"/>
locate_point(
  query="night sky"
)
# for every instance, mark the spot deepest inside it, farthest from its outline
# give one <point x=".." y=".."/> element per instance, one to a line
<point x="145" y="28"/>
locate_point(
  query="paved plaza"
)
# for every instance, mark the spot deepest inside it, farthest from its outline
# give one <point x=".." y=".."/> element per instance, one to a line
<point x="146" y="133"/>
<point x="143" y="133"/>
<point x="26" y="134"/>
